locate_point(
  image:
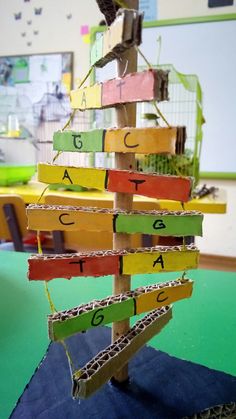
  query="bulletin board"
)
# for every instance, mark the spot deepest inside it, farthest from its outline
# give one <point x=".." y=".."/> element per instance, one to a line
<point x="27" y="81"/>
<point x="204" y="46"/>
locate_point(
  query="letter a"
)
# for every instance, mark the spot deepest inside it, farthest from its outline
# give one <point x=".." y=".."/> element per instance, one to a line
<point x="158" y="260"/>
<point x="66" y="176"/>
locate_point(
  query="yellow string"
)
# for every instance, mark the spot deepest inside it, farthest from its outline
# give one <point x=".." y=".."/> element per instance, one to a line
<point x="122" y="3"/>
<point x="40" y="250"/>
<point x="56" y="156"/>
<point x="144" y="58"/>
<point x="184" y="240"/>
<point x="69" y="120"/>
<point x="69" y="357"/>
<point x="52" y="306"/>
<point x="161" y="114"/>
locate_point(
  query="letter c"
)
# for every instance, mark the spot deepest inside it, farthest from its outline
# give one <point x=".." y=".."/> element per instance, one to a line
<point x="62" y="222"/>
<point x="164" y="299"/>
<point x="126" y="144"/>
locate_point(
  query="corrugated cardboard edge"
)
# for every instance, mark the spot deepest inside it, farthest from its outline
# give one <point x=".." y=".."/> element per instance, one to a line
<point x="104" y="365"/>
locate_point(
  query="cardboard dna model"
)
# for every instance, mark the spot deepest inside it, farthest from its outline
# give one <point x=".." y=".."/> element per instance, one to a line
<point x="155" y="300"/>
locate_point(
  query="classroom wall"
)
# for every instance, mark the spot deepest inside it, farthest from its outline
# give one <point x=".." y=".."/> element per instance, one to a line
<point x="174" y="9"/>
<point x="58" y="33"/>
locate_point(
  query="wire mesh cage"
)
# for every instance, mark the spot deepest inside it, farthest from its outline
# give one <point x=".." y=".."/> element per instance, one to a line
<point x="184" y="108"/>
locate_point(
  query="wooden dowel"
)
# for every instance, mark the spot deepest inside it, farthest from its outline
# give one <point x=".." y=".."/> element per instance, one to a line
<point x="126" y="116"/>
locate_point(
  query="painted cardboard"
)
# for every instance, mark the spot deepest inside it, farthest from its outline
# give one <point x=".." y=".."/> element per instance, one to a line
<point x="149" y="85"/>
<point x="122" y="34"/>
<point x="69" y="218"/>
<point x="132" y="182"/>
<point x="167" y="261"/>
<point x="149" y="184"/>
<point x="69" y="175"/>
<point x="67" y="267"/>
<point x="49" y="218"/>
<point x="154" y="140"/>
<point x="88" y="141"/>
<point x="163" y="296"/>
<point x="135" y="87"/>
<point x="62" y="329"/>
<point x="141" y="140"/>
<point x="64" y="324"/>
<point x="87" y="97"/>
<point x="134" y="261"/>
<point x="107" y="362"/>
<point x="114" y="35"/>
<point x="162" y="225"/>
<point x="96" y="52"/>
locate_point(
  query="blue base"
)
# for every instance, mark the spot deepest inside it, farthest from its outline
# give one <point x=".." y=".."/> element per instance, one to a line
<point x="160" y="386"/>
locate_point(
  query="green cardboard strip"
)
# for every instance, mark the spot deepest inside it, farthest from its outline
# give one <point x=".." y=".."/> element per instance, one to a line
<point x="97" y="50"/>
<point x="62" y="329"/>
<point x="163" y="225"/>
<point x="89" y="141"/>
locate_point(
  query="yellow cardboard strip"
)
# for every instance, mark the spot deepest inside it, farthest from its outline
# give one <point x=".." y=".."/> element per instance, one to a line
<point x="87" y="97"/>
<point x="167" y="261"/>
<point x="87" y="177"/>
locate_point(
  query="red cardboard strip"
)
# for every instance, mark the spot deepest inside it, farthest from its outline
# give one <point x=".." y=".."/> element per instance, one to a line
<point x="152" y="185"/>
<point x="136" y="87"/>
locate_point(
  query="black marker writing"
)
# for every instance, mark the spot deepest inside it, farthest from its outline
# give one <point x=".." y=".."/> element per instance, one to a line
<point x="66" y="176"/>
<point x="158" y="260"/>
<point x="158" y="297"/>
<point x="80" y="263"/>
<point x="137" y="182"/>
<point x="78" y="144"/>
<point x="63" y="222"/>
<point x="120" y="84"/>
<point x="158" y="224"/>
<point x="125" y="141"/>
<point x="98" y="319"/>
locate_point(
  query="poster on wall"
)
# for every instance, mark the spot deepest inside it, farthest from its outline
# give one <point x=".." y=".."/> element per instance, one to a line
<point x="35" y="88"/>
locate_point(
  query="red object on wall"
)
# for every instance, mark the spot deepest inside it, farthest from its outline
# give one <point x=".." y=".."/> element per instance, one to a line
<point x="155" y="186"/>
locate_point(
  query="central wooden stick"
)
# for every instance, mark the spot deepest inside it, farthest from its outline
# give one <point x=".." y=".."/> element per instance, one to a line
<point x="126" y="116"/>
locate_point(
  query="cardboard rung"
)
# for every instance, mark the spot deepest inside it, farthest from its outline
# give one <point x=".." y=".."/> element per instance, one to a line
<point x="115" y="308"/>
<point x="107" y="362"/>
<point x="109" y="262"/>
<point x="177" y="188"/>
<point x="124" y="33"/>
<point x="68" y="218"/>
<point x="146" y="86"/>
<point x="155" y="140"/>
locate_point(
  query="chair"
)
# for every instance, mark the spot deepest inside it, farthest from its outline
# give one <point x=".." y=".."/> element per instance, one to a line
<point x="13" y="222"/>
<point x="13" y="227"/>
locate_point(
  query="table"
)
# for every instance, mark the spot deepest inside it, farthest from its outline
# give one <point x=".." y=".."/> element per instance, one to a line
<point x="31" y="192"/>
<point x="201" y="331"/>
